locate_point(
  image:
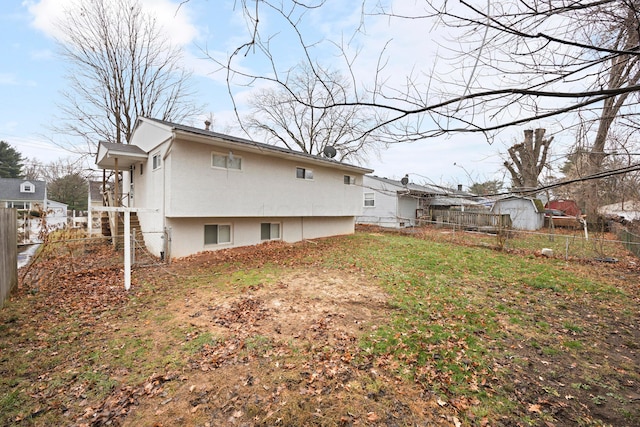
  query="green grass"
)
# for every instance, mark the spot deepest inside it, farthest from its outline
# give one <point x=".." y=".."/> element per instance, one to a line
<point x="457" y="315"/>
<point x="449" y="302"/>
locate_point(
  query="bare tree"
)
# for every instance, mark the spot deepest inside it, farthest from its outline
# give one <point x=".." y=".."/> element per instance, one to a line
<point x="622" y="151"/>
<point x="121" y="66"/>
<point x="54" y="170"/>
<point x="528" y="159"/>
<point x="512" y="63"/>
<point x="528" y="61"/>
<point x="297" y="117"/>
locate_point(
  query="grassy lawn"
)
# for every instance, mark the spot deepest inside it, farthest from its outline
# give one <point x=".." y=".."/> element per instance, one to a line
<point x="369" y="329"/>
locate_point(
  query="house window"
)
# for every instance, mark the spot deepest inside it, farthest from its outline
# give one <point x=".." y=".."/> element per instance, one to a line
<point x="269" y="231"/>
<point x="226" y="161"/>
<point x="349" y="180"/>
<point x="369" y="199"/>
<point x="157" y="161"/>
<point x="27" y="187"/>
<point x="303" y="173"/>
<point x="19" y="205"/>
<point x="141" y="165"/>
<point x="215" y="234"/>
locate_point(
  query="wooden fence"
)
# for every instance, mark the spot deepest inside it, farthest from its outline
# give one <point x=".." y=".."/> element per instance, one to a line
<point x="480" y="221"/>
<point x="8" y="252"/>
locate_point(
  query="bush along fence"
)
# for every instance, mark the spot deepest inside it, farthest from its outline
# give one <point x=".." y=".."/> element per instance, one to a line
<point x="8" y="252"/>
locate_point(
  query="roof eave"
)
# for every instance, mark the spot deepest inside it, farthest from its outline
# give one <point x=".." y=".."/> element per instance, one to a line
<point x="269" y="151"/>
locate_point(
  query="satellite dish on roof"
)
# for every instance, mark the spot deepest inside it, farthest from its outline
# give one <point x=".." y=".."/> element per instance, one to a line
<point x="405" y="180"/>
<point x="329" y="151"/>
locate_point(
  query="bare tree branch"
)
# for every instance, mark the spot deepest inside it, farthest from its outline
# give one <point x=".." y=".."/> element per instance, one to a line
<point x="121" y="66"/>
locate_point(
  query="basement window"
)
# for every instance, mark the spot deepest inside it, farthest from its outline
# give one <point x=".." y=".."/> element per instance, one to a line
<point x="215" y="234"/>
<point x="269" y="231"/>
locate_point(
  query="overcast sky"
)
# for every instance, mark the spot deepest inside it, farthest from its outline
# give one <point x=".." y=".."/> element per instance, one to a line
<point x="32" y="77"/>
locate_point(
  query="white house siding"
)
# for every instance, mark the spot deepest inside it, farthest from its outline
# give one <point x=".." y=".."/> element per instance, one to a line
<point x="186" y="193"/>
<point x="148" y="188"/>
<point x="386" y="212"/>
<point x="150" y="135"/>
<point x="266" y="186"/>
<point x="188" y="233"/>
<point x="407" y="206"/>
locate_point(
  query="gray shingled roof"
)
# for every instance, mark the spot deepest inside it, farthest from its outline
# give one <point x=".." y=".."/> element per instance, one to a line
<point x="122" y="148"/>
<point x="414" y="188"/>
<point x="204" y="132"/>
<point x="10" y="189"/>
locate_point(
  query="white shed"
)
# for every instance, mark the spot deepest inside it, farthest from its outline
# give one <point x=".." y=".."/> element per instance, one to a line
<point x="525" y="213"/>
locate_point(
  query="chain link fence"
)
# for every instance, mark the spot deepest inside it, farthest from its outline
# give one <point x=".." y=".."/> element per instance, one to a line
<point x="630" y="240"/>
<point x="558" y="242"/>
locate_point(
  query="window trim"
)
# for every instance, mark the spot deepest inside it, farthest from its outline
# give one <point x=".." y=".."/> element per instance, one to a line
<point x="217" y="242"/>
<point x="26" y="205"/>
<point x="307" y="174"/>
<point x="227" y="161"/>
<point x="154" y="165"/>
<point x="271" y="224"/>
<point x="27" y="187"/>
<point x="372" y="199"/>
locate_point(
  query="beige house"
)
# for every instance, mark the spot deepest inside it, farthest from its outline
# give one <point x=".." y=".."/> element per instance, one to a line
<point x="199" y="190"/>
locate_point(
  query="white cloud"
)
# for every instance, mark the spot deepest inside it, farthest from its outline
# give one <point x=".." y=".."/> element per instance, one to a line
<point x="175" y="20"/>
<point x="46" y="13"/>
<point x="8" y="79"/>
<point x="11" y="79"/>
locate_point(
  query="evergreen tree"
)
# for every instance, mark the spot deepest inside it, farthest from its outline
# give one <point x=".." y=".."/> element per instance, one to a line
<point x="10" y="161"/>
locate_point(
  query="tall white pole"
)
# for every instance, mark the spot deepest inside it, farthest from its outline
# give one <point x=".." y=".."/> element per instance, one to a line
<point x="127" y="249"/>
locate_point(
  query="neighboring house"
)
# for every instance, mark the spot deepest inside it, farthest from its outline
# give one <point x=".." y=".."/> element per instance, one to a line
<point x="391" y="203"/>
<point x="629" y="210"/>
<point x="526" y="213"/>
<point x="57" y="213"/>
<point x="211" y="191"/>
<point x="94" y="199"/>
<point x="394" y="204"/>
<point x="29" y="197"/>
<point x="23" y="194"/>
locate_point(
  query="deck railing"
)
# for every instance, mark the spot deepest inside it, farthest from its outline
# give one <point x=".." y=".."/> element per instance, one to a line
<point x="469" y="220"/>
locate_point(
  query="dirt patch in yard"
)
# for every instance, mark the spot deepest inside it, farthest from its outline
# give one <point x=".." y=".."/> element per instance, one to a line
<point x="282" y="353"/>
